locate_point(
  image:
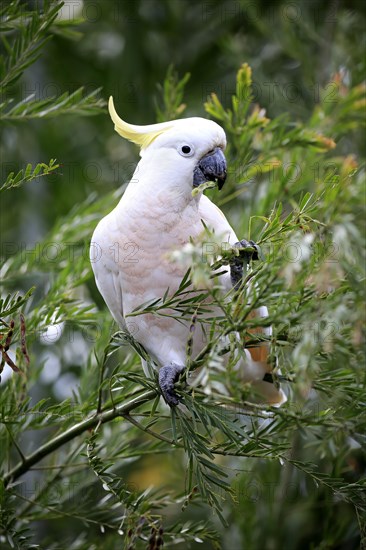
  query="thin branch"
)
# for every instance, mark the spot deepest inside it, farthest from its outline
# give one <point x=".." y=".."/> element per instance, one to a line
<point x="20" y="452"/>
<point x="64" y="437"/>
<point x="60" y="513"/>
<point x="151" y="432"/>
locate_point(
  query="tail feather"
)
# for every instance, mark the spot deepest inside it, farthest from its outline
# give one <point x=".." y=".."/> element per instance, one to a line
<point x="259" y="368"/>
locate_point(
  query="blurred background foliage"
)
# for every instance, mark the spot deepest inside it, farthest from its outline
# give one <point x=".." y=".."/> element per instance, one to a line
<point x="297" y="128"/>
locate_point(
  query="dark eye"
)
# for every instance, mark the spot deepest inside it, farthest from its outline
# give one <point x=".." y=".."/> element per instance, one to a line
<point x="185" y="150"/>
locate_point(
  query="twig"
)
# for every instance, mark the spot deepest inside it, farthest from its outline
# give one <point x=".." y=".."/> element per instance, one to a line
<point x="88" y="424"/>
<point x="151" y="432"/>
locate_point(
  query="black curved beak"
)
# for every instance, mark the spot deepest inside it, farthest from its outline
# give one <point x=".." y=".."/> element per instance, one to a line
<point x="211" y="167"/>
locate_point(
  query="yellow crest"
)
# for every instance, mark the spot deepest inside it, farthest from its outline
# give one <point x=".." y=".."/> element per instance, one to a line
<point x="141" y="135"/>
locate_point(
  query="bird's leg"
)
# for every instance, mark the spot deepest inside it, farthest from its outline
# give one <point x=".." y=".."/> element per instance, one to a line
<point x="168" y="375"/>
<point x="236" y="264"/>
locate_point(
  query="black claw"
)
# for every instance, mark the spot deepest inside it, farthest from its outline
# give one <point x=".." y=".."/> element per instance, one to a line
<point x="168" y="375"/>
<point x="268" y="377"/>
<point x="236" y="272"/>
<point x="236" y="264"/>
<point x="246" y="254"/>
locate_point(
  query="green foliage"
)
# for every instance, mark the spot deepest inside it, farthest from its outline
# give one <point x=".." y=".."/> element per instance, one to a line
<point x="26" y="34"/>
<point x="172" y="93"/>
<point x="109" y="465"/>
<point x="31" y="37"/>
<point x="28" y="174"/>
<point x="74" y="103"/>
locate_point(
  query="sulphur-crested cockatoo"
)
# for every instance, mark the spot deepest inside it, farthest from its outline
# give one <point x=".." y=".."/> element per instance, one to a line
<point x="131" y="247"/>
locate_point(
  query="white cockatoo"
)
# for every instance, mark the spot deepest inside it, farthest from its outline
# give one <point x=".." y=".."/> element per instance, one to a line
<point x="131" y="247"/>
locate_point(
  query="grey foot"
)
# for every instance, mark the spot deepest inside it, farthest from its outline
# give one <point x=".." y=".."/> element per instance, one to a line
<point x="168" y="375"/>
<point x="236" y="265"/>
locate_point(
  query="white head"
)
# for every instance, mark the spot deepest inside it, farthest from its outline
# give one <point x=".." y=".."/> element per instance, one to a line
<point x="186" y="152"/>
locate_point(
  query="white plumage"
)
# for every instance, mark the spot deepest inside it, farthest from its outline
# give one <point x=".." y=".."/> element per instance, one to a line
<point x="131" y="246"/>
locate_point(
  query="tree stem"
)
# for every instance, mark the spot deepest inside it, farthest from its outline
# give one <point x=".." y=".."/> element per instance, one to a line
<point x="120" y="410"/>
